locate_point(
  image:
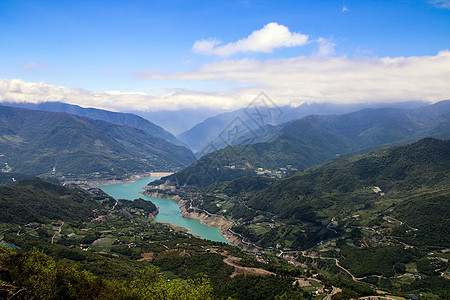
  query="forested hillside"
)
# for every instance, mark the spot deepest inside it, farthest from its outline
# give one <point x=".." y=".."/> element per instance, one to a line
<point x="118" y="118"/>
<point x="72" y="147"/>
<point x="356" y="210"/>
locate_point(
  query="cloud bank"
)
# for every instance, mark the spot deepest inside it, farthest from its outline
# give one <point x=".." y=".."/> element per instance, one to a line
<point x="270" y="37"/>
<point x="18" y="90"/>
<point x="287" y="81"/>
<point x="335" y="79"/>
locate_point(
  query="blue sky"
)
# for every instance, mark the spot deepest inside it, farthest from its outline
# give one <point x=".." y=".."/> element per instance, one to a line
<point x="219" y="54"/>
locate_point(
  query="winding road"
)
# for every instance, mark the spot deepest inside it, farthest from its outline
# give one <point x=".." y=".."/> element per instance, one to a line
<point x="238" y="270"/>
<point x="59" y="231"/>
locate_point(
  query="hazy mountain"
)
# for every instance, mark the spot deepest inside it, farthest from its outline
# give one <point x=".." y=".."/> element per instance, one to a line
<point x="211" y="129"/>
<point x="178" y="121"/>
<point x="315" y="139"/>
<point x="306" y="109"/>
<point x="69" y="146"/>
<point x="208" y="130"/>
<point x="119" y="118"/>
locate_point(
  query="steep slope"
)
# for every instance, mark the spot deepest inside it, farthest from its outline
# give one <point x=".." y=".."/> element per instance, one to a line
<point x="304" y="143"/>
<point x="72" y="147"/>
<point x="128" y="119"/>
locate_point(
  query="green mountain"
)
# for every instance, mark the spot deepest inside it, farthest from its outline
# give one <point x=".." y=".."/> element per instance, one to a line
<point x="312" y="140"/>
<point x="40" y="217"/>
<point x="72" y="147"/>
<point x="383" y="215"/>
<point x="38" y="201"/>
<point x="118" y="118"/>
<point x="401" y="178"/>
<point x="35" y="200"/>
<point x="342" y="188"/>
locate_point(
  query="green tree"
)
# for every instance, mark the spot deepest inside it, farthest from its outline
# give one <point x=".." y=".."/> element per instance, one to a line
<point x="154" y="286"/>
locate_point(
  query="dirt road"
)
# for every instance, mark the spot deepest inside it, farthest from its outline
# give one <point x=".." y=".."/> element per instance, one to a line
<point x="238" y="270"/>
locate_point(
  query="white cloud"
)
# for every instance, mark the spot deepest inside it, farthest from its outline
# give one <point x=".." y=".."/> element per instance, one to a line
<point x="205" y="46"/>
<point x="344" y="9"/>
<point x="287" y="81"/>
<point x="270" y="37"/>
<point x="17" y="90"/>
<point x="441" y="3"/>
<point x="335" y="79"/>
<point x="326" y="47"/>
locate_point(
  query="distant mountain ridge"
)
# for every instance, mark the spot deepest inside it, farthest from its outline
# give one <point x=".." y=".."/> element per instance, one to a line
<point x="177" y="121"/>
<point x="312" y="140"/>
<point x="72" y="147"/>
<point x="119" y="118"/>
<point x="198" y="137"/>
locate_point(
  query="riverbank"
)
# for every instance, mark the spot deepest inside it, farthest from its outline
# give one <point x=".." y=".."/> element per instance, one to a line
<point x="169" y="209"/>
<point x="205" y="218"/>
<point x="131" y="178"/>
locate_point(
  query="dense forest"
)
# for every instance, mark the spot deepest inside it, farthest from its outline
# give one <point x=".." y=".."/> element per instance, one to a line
<point x="378" y="214"/>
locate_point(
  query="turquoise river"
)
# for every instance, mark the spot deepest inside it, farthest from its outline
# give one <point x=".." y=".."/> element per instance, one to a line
<point x="169" y="210"/>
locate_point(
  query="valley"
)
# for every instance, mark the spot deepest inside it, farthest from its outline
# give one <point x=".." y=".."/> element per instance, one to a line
<point x="119" y="237"/>
<point x="225" y="150"/>
<point x="384" y="216"/>
<point x="279" y="215"/>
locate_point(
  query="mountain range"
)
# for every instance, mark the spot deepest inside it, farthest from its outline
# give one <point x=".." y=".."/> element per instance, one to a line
<point x="72" y="147"/>
<point x="303" y="143"/>
<point x="363" y="219"/>
<point x="380" y="216"/>
<point x="211" y="129"/>
<point x="118" y="118"/>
